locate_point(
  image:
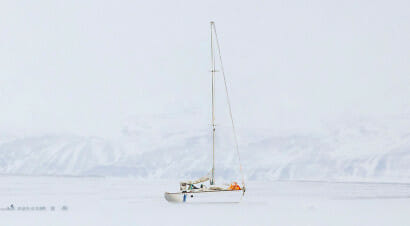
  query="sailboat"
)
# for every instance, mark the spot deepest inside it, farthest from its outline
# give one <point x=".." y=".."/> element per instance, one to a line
<point x="204" y="189"/>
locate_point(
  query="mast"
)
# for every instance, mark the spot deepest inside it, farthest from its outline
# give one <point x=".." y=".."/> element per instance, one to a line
<point x="227" y="99"/>
<point x="213" y="106"/>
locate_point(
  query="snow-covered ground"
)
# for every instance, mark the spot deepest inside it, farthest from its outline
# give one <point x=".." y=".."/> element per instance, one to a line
<point x="129" y="201"/>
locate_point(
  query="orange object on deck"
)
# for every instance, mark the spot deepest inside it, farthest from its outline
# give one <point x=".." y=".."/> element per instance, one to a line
<point x="234" y="186"/>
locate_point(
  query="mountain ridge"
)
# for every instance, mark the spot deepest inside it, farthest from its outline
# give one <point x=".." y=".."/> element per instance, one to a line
<point x="361" y="150"/>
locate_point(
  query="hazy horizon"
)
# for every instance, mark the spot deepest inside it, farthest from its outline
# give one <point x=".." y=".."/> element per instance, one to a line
<point x="87" y="67"/>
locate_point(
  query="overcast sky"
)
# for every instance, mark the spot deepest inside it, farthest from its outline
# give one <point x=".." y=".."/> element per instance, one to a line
<point x="87" y="67"/>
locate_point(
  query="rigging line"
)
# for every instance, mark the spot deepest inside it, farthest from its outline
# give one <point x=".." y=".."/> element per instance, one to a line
<point x="229" y="106"/>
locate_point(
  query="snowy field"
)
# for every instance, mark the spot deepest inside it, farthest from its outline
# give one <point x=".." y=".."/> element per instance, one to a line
<point x="128" y="201"/>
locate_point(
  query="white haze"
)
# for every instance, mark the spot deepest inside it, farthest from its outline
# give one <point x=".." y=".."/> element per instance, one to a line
<point x="87" y="67"/>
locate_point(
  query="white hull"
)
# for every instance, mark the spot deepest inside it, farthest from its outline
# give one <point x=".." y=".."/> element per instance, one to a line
<point x="229" y="196"/>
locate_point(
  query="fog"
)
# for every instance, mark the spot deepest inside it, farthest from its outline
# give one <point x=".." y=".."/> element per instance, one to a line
<point x="87" y="67"/>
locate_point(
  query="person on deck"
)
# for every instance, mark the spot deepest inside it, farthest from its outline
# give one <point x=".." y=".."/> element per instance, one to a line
<point x="234" y="186"/>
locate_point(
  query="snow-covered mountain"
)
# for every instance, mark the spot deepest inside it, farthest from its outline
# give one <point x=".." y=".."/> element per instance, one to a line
<point x="357" y="149"/>
<point x="54" y="154"/>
